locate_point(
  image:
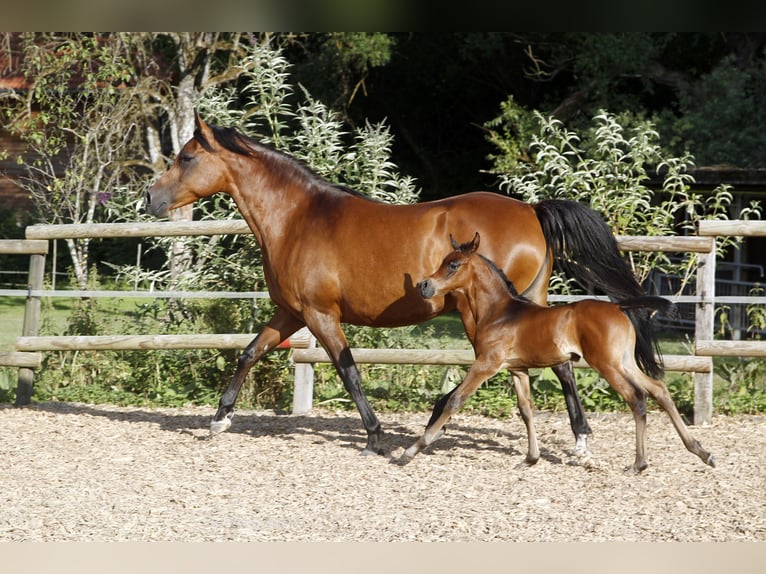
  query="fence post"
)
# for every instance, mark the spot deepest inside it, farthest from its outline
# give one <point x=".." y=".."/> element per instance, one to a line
<point x="31" y="325"/>
<point x="704" y="318"/>
<point x="303" y="387"/>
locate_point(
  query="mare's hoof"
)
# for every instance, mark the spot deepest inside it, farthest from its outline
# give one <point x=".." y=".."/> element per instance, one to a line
<point x="581" y="449"/>
<point x="711" y="461"/>
<point x="217" y="427"/>
<point x="371" y="452"/>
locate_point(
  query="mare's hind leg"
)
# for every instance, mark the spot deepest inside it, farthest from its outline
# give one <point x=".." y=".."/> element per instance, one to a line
<point x="526" y="408"/>
<point x="580" y="427"/>
<point x="279" y="328"/>
<point x="450" y="403"/>
<point x="659" y="392"/>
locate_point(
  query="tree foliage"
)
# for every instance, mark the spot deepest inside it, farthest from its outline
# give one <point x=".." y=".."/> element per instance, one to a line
<point x="612" y="166"/>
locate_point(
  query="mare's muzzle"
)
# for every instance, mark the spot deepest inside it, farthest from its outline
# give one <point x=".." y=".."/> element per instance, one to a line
<point x="426" y="288"/>
<point x="158" y="207"/>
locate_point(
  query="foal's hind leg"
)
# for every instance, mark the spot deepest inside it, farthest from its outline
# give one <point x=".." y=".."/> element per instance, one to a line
<point x="279" y="328"/>
<point x="636" y="399"/>
<point x="659" y="392"/>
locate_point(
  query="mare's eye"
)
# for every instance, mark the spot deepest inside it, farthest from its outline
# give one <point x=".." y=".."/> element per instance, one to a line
<point x="186" y="158"/>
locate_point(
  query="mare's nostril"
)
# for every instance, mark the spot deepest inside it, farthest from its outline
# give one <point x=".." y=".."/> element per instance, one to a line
<point x="147" y="198"/>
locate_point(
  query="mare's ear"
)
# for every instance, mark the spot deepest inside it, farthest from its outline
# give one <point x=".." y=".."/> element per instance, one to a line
<point x="203" y="128"/>
<point x="475" y="242"/>
<point x="455" y="244"/>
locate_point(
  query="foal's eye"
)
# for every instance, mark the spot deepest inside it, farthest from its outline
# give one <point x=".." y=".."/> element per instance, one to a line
<point x="453" y="266"/>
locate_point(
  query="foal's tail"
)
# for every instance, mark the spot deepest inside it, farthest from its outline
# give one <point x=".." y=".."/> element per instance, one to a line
<point x="584" y="248"/>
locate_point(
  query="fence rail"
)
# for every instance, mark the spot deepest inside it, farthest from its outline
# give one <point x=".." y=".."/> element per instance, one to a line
<point x="305" y="353"/>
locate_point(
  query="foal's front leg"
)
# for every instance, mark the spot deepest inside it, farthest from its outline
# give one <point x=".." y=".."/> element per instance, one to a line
<point x="526" y="408"/>
<point x="449" y="404"/>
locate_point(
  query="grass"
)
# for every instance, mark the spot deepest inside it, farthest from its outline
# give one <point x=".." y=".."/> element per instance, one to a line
<point x="54" y="315"/>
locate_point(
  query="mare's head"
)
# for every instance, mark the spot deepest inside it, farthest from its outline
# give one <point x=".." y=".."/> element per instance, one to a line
<point x="198" y="171"/>
<point x="454" y="272"/>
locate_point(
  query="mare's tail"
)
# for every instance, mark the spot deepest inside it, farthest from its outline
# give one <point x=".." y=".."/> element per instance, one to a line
<point x="647" y="348"/>
<point x="584" y="248"/>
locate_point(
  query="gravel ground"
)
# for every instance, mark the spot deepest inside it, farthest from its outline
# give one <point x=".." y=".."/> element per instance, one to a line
<point x="77" y="472"/>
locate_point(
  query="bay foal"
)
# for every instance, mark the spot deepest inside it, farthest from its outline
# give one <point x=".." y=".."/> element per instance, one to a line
<point x="517" y="334"/>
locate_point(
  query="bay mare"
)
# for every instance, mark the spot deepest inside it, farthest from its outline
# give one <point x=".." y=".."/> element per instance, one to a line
<point x="332" y="256"/>
<point x="516" y="334"/>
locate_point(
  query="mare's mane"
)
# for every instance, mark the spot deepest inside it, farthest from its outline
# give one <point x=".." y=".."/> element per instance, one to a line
<point x="237" y="142"/>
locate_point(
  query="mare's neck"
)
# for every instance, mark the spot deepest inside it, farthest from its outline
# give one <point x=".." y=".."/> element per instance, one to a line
<point x="271" y="194"/>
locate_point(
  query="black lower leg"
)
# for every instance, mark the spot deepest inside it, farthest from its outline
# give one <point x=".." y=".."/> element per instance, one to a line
<point x="229" y="397"/>
<point x="352" y="381"/>
<point x="439" y="407"/>
<point x="577" y="419"/>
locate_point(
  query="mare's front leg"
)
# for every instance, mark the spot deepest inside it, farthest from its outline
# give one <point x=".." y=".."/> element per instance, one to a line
<point x="577" y="420"/>
<point x="279" y="328"/>
<point x="327" y="330"/>
<point x="449" y="404"/>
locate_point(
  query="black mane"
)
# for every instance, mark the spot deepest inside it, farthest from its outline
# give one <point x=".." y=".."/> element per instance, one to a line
<point x="237" y="142"/>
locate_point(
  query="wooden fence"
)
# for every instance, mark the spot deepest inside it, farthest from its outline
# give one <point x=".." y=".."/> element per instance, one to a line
<point x="305" y="353"/>
<point x="26" y="361"/>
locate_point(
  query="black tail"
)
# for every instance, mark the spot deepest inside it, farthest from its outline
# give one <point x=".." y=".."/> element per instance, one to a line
<point x="584" y="248"/>
<point x="647" y="347"/>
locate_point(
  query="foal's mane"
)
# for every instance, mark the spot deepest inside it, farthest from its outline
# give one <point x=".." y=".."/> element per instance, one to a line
<point x="508" y="283"/>
<point x="237" y="142"/>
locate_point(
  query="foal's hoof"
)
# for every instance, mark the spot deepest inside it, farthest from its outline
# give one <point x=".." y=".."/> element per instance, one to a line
<point x="403" y="460"/>
<point x="217" y="427"/>
<point x="710" y="461"/>
<point x="634" y="470"/>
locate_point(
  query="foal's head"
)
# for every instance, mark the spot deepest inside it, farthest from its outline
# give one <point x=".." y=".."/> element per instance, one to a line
<point x="453" y="273"/>
<point x="460" y="268"/>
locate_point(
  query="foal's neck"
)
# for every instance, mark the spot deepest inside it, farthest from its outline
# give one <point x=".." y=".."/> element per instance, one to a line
<point x="489" y="292"/>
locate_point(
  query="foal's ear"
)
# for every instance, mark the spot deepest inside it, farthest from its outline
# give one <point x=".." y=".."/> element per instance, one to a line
<point x="475" y="242"/>
<point x="455" y="244"/>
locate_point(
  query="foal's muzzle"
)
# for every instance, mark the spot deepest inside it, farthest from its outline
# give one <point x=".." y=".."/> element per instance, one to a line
<point x="426" y="288"/>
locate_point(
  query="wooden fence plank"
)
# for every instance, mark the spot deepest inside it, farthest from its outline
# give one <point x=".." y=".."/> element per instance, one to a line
<point x="23" y="247"/>
<point x="679" y="243"/>
<point x="683" y="363"/>
<point x="730" y="348"/>
<point x="16" y="359"/>
<point x="151" y="229"/>
<point x="146" y="342"/>
<point x="735" y="227"/>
